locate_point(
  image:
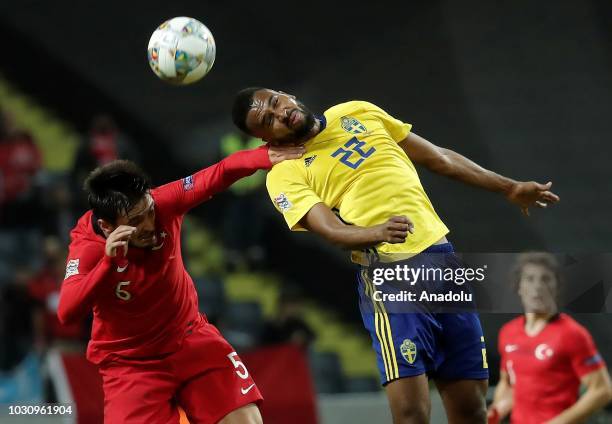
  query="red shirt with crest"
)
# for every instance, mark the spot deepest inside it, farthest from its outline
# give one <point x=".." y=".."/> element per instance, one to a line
<point x="144" y="303"/>
<point x="545" y="369"/>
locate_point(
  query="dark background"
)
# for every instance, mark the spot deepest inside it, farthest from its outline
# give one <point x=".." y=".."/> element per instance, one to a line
<point x="523" y="88"/>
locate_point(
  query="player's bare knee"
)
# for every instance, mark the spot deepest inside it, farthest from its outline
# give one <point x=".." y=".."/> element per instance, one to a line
<point x="469" y="411"/>
<point x="471" y="416"/>
<point x="410" y="412"/>
<point x="412" y="415"/>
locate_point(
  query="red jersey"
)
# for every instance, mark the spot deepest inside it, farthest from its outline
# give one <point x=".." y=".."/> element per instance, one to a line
<point x="145" y="302"/>
<point x="545" y="370"/>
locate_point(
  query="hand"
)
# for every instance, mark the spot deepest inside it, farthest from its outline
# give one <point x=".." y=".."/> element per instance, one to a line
<point x="530" y="193"/>
<point x="279" y="153"/>
<point x="119" y="237"/>
<point x="395" y="230"/>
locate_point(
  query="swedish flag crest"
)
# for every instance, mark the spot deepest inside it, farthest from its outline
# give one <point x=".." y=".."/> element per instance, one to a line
<point x="409" y="351"/>
<point x="352" y="125"/>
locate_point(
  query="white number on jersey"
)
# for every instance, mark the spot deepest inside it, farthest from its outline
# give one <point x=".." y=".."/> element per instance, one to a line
<point x="238" y="365"/>
<point x="123" y="294"/>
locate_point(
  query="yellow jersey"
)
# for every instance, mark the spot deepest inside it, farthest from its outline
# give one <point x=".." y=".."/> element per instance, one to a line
<point x="356" y="167"/>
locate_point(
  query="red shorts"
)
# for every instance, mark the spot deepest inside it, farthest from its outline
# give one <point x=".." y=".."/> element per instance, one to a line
<point x="205" y="378"/>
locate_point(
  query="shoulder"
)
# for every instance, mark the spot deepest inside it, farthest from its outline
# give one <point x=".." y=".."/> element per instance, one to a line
<point x="83" y="231"/>
<point x="162" y="195"/>
<point x="572" y="328"/>
<point x="83" y="255"/>
<point x="287" y="169"/>
<point x="170" y="196"/>
<point x="350" y="107"/>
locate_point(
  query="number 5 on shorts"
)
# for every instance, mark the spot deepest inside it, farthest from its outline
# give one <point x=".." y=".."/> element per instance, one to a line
<point x="238" y="364"/>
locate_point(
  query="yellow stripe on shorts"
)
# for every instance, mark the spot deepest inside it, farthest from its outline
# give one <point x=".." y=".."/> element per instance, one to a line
<point x="381" y="341"/>
<point x="383" y="331"/>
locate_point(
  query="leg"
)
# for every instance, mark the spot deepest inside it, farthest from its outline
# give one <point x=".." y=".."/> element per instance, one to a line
<point x="248" y="414"/>
<point x="409" y="400"/>
<point x="219" y="397"/>
<point x="405" y="346"/>
<point x="135" y="394"/>
<point x="223" y="392"/>
<point x="462" y="379"/>
<point x="464" y="400"/>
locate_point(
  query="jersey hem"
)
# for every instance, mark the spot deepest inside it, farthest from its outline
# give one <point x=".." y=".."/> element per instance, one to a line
<point x="368" y="259"/>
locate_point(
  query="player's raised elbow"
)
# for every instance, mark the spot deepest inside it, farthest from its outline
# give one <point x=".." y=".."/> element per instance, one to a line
<point x="63" y="315"/>
<point x="67" y="312"/>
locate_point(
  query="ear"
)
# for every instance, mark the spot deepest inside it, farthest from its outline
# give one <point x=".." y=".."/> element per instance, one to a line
<point x="106" y="227"/>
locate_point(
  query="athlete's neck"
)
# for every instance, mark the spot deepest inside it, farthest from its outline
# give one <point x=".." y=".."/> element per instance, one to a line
<point x="314" y="131"/>
<point x="536" y="321"/>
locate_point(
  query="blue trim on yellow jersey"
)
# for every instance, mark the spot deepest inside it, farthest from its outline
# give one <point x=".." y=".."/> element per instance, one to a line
<point x="323" y="121"/>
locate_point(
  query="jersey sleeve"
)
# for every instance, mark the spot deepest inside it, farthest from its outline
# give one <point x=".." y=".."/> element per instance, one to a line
<point x="182" y="195"/>
<point x="397" y="129"/>
<point x="291" y="194"/>
<point x="86" y="268"/>
<point x="583" y="353"/>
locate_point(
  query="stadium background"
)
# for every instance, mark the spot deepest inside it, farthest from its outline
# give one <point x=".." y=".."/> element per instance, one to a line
<point x="523" y="88"/>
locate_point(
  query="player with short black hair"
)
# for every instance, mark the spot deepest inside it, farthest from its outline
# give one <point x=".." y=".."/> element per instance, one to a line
<point x="357" y="186"/>
<point x="115" y="188"/>
<point x="242" y="105"/>
<point x="154" y="350"/>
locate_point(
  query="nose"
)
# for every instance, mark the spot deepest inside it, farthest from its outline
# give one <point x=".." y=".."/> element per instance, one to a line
<point x="281" y="114"/>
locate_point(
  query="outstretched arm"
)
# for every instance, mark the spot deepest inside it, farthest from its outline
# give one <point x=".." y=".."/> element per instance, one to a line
<point x="183" y="195"/>
<point x="321" y="220"/>
<point x="446" y="162"/>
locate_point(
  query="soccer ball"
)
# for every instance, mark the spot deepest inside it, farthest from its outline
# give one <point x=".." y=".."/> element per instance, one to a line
<point x="181" y="51"/>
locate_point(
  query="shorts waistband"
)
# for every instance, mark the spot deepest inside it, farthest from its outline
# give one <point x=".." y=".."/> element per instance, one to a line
<point x="440" y="248"/>
<point x="369" y="259"/>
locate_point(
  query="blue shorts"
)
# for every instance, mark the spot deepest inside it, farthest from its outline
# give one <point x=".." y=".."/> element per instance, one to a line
<point x="443" y="345"/>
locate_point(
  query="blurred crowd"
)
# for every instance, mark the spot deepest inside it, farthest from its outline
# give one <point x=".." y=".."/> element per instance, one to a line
<point x="38" y="208"/>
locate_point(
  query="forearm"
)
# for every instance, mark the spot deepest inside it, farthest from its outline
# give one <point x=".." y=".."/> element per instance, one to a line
<point x="446" y="162"/>
<point x="77" y="294"/>
<point x="351" y="237"/>
<point x="185" y="194"/>
<point x="503" y="400"/>
<point x="457" y="166"/>
<point x="321" y="220"/>
<point x="238" y="165"/>
<point x="591" y="401"/>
